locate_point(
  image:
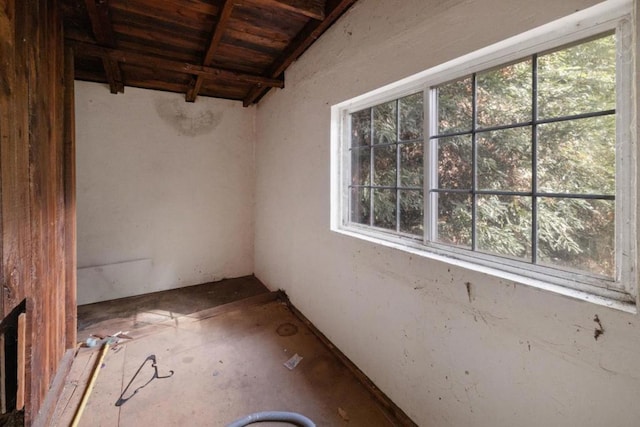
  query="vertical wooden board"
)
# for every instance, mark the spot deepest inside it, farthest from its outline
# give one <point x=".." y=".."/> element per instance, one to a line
<point x="3" y="377"/>
<point x="32" y="196"/>
<point x="22" y="346"/>
<point x="14" y="175"/>
<point x="71" y="260"/>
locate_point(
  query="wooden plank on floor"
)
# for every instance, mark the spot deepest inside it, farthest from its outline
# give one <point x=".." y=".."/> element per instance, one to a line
<point x="75" y="383"/>
<point x="46" y="413"/>
<point x="179" y="321"/>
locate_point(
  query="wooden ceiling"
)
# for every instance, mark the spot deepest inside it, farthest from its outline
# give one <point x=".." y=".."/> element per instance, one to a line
<point x="233" y="49"/>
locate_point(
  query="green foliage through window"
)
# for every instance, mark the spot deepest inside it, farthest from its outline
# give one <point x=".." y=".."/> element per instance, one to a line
<point x="523" y="160"/>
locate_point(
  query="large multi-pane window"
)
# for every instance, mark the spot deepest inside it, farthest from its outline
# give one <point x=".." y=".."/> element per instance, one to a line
<point x="515" y="164"/>
<point x="387" y="174"/>
<point x="525" y="155"/>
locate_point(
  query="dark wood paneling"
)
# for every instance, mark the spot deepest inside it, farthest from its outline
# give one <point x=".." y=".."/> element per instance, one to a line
<point x="256" y="37"/>
<point x="71" y="254"/>
<point x="305" y="38"/>
<point x="32" y="185"/>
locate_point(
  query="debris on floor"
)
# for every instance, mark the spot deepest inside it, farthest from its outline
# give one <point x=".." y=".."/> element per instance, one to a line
<point x="343" y="414"/>
<point x="293" y="362"/>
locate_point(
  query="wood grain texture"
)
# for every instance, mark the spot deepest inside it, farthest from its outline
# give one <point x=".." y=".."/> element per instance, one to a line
<point x="100" y="19"/>
<point x="32" y="203"/>
<point x="311" y="8"/>
<point x="221" y="26"/>
<point x="71" y="254"/>
<point x="160" y="64"/>
<point x="249" y="38"/>
<point x="309" y="34"/>
<point x="22" y="348"/>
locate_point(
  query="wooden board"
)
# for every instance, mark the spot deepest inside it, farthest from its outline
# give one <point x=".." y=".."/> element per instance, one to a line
<point x="3" y="377"/>
<point x="32" y="204"/>
<point x="22" y="348"/>
<point x="257" y="38"/>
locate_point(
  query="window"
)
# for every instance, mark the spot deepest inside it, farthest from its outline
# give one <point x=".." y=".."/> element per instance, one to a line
<point x="517" y="165"/>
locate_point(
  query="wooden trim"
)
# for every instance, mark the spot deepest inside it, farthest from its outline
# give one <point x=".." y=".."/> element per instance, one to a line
<point x="98" y="11"/>
<point x="386" y="404"/>
<point x="88" y="49"/>
<point x="3" y="376"/>
<point x="71" y="254"/>
<point x="313" y="9"/>
<point x="221" y="26"/>
<point x="305" y="38"/>
<point x="48" y="408"/>
<point x="22" y="352"/>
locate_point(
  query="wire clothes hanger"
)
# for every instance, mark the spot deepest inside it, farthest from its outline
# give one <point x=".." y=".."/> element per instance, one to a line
<point x="122" y="400"/>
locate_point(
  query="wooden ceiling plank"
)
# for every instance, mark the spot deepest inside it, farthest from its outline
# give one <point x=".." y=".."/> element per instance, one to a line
<point x="221" y="26"/>
<point x="149" y="61"/>
<point x="314" y="9"/>
<point x="98" y="11"/>
<point x="305" y="38"/>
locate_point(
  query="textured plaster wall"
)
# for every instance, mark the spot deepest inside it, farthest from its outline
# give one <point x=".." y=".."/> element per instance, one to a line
<point x="502" y="354"/>
<point x="165" y="191"/>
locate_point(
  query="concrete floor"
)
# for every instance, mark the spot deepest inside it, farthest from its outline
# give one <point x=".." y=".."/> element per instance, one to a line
<point x="228" y="361"/>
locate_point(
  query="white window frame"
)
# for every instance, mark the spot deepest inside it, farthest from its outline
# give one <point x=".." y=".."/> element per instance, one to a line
<point x="621" y="292"/>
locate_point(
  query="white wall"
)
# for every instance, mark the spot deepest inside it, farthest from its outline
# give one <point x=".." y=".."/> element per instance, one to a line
<point x="165" y="191"/>
<point x="509" y="355"/>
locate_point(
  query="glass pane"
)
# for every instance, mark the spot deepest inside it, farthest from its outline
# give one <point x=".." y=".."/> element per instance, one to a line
<point x="578" y="156"/>
<point x="384" y="208"/>
<point x="360" y="166"/>
<point x="361" y="128"/>
<point x="577" y="233"/>
<point x="384" y="166"/>
<point x="504" y="159"/>
<point x="411" y="117"/>
<point x="454" y="219"/>
<point x="454" y="162"/>
<point x="385" y="129"/>
<point x="504" y="225"/>
<point x="411" y="212"/>
<point x="411" y="160"/>
<point x="579" y="79"/>
<point x="504" y="95"/>
<point x="360" y="205"/>
<point x="455" y="112"/>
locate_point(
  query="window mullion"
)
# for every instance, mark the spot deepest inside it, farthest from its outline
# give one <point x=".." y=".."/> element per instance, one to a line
<point x="371" y="167"/>
<point x="474" y="166"/>
<point x="397" y="166"/>
<point x="534" y="159"/>
<point x="429" y="197"/>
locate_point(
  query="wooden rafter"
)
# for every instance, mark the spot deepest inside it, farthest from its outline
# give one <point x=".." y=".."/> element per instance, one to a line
<point x="196" y="82"/>
<point x="305" y="38"/>
<point x="92" y="50"/>
<point x="100" y="18"/>
<point x="313" y="9"/>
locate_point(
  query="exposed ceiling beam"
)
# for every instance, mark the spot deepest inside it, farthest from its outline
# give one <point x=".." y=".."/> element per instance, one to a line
<point x="305" y="38"/>
<point x="153" y="62"/>
<point x="100" y="18"/>
<point x="221" y="26"/>
<point x="313" y="9"/>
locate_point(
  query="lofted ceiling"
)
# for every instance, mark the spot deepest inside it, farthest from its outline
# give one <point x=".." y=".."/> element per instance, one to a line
<point x="233" y="49"/>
